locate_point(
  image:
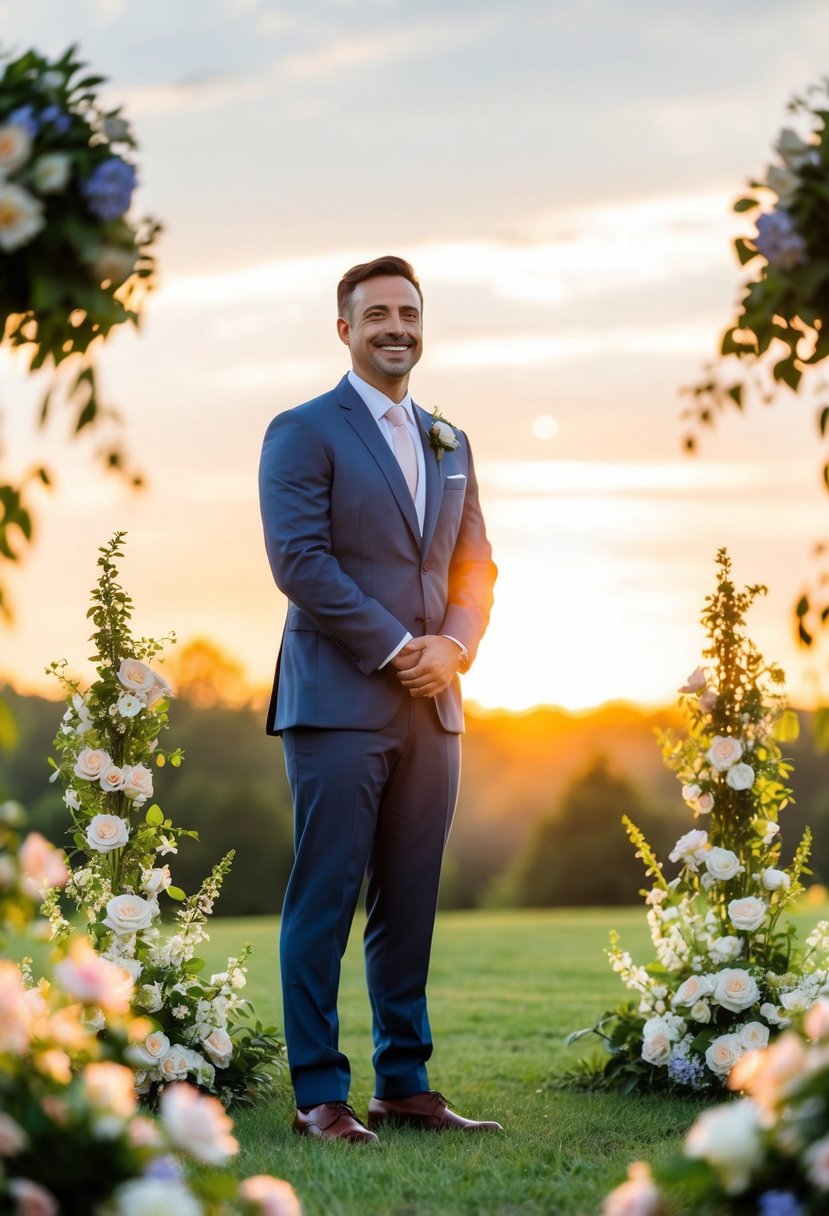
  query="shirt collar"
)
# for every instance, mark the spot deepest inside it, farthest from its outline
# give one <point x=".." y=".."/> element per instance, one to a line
<point x="376" y="401"/>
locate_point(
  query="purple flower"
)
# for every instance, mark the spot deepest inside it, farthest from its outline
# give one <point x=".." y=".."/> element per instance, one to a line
<point x="167" y="1168"/>
<point x="24" y="116"/>
<point x="108" y="191"/>
<point x="686" y="1070"/>
<point x="778" y="240"/>
<point x="56" y="118"/>
<point x="779" y="1203"/>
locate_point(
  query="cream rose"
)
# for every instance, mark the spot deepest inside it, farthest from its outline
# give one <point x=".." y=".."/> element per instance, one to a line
<point x="735" y="990"/>
<point x="723" y="752"/>
<point x="722" y="864"/>
<point x="92" y="763"/>
<point x="728" y="1138"/>
<point x="723" y="1053"/>
<point x="705" y="804"/>
<point x="158" y="692"/>
<point x="129" y="914"/>
<point x="693" y="989"/>
<point x="740" y="777"/>
<point x="138" y="783"/>
<point x="701" y="1012"/>
<point x="112" y="780"/>
<point x="107" y="832"/>
<point x="218" y="1045"/>
<point x="136" y="676"/>
<point x="747" y="914"/>
<point x="129" y="705"/>
<point x="275" y="1197"/>
<point x="690" y="848"/>
<point x="15" y="147"/>
<point x="156" y="1197"/>
<point x="154" y="1048"/>
<point x="197" y="1124"/>
<point x="691" y="792"/>
<point x="754" y="1036"/>
<point x="51" y="173"/>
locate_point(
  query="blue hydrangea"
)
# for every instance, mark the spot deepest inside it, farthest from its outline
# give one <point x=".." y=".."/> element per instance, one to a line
<point x="24" y="116"/>
<point x="56" y="118"/>
<point x="108" y="192"/>
<point x="167" y="1168"/>
<point x="779" y="241"/>
<point x="780" y="1203"/>
<point x="686" y="1070"/>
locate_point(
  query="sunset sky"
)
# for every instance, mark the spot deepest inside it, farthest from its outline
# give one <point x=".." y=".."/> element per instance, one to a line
<point x="561" y="176"/>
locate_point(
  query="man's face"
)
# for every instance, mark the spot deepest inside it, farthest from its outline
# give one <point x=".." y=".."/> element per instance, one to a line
<point x="383" y="331"/>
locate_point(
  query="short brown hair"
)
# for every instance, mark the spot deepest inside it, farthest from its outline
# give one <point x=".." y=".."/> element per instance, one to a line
<point x="371" y="270"/>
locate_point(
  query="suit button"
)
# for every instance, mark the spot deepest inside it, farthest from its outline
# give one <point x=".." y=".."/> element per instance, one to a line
<point x="426" y="567"/>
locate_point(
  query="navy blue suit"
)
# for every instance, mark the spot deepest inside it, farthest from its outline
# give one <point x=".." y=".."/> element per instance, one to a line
<point x="373" y="771"/>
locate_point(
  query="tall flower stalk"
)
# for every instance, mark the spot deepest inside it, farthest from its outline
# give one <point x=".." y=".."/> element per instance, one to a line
<point x="728" y="971"/>
<point x="108" y="747"/>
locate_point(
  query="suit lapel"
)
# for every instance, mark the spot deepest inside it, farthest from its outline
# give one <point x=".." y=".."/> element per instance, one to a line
<point x="434" y="478"/>
<point x="359" y="418"/>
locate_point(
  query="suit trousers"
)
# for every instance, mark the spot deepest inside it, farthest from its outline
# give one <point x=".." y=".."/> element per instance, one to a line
<point x="377" y="804"/>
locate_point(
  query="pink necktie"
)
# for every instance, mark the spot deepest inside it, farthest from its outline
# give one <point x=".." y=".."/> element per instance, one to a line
<point x="404" y="448"/>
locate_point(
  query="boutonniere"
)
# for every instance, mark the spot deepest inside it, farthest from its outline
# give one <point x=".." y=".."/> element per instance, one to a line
<point x="442" y="437"/>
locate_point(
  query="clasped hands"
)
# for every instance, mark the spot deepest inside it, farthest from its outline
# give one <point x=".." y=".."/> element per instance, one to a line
<point x="427" y="665"/>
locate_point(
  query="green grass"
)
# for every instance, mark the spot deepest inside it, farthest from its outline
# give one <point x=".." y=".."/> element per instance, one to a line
<point x="505" y="990"/>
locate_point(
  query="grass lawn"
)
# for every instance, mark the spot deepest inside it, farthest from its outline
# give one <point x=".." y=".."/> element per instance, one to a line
<point x="505" y="990"/>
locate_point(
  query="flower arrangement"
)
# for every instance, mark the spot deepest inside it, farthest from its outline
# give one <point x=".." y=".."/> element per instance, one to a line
<point x="108" y="745"/>
<point x="728" y="973"/>
<point x="72" y="1136"/>
<point x="766" y="1154"/>
<point x="73" y="265"/>
<point x="782" y="319"/>
<point x="442" y="437"/>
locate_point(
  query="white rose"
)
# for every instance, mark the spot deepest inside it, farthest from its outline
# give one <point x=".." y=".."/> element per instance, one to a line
<point x="772" y="1015"/>
<point x="112" y="265"/>
<point x="158" y="692"/>
<point x="736" y="990"/>
<point x="138" y="782"/>
<point x="705" y="804"/>
<point x="174" y="1065"/>
<point x="149" y="997"/>
<point x="218" y="1045"/>
<point x="794" y="150"/>
<point x="740" y="777"/>
<point x="129" y="914"/>
<point x="92" y="763"/>
<point x="701" y="1012"/>
<point x="197" y="1124"/>
<point x="728" y="1138"/>
<point x="129" y="705"/>
<point x="724" y="949"/>
<point x="107" y="832"/>
<point x="723" y="1053"/>
<point x="15" y="147"/>
<point x="112" y="780"/>
<point x="21" y="215"/>
<point x="748" y="913"/>
<point x="155" y="1197"/>
<point x="817" y="1163"/>
<point x="136" y="676"/>
<point x="774" y="880"/>
<point x="445" y="435"/>
<point x="693" y="989"/>
<point x="722" y="864"/>
<point x="51" y="173"/>
<point x="724" y="752"/>
<point x="754" y="1035"/>
<point x="691" y="792"/>
<point x="795" y="1001"/>
<point x="656" y="1049"/>
<point x="689" y="848"/>
<point x="154" y="881"/>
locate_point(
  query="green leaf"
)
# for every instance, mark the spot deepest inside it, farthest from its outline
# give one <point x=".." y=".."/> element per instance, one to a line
<point x="196" y="964"/>
<point x="821" y="729"/>
<point x="176" y="893"/>
<point x="746" y="204"/>
<point x="8" y="727"/>
<point x="154" y="816"/>
<point x="823" y="418"/>
<point x="787" y="727"/>
<point x="745" y="251"/>
<point x="788" y="372"/>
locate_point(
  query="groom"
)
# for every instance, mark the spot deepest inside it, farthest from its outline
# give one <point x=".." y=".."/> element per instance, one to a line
<point x="375" y="535"/>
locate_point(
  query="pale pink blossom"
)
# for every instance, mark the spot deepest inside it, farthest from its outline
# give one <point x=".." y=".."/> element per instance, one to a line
<point x="638" y="1196"/>
<point x="136" y="676"/>
<point x="275" y="1197"/>
<point x="695" y="681"/>
<point x="92" y="763"/>
<point x="110" y="1088"/>
<point x="197" y="1124"/>
<point x="42" y="865"/>
<point x="31" y="1198"/>
<point x="13" y="1139"/>
<point x="16" y="1013"/>
<point x="93" y="980"/>
<point x="723" y="752"/>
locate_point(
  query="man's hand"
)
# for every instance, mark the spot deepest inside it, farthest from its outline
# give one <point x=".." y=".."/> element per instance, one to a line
<point x="427" y="665"/>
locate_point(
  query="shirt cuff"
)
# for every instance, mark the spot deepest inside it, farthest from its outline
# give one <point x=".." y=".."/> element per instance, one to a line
<point x="464" y="652"/>
<point x="397" y="649"/>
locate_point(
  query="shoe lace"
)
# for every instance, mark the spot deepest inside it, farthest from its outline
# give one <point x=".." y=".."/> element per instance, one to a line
<point x="340" y="1108"/>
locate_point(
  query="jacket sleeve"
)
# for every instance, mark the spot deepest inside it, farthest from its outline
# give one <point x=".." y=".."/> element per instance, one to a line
<point x="295" y="476"/>
<point x="472" y="574"/>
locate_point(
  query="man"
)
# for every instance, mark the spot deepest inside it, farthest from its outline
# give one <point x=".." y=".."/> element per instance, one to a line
<point x="374" y="533"/>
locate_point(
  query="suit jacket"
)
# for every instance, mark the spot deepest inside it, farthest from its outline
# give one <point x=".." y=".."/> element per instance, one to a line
<point x="344" y="546"/>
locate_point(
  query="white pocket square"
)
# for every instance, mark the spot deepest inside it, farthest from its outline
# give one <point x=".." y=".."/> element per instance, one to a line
<point x="455" y="476"/>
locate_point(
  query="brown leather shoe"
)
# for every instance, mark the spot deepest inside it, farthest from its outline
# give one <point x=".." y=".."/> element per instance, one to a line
<point x="429" y="1112"/>
<point x="332" y="1121"/>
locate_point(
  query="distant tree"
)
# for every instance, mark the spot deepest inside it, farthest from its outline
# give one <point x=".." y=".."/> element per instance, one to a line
<point x="579" y="855"/>
<point x="205" y="675"/>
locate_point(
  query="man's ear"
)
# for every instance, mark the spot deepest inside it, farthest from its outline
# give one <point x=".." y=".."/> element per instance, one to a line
<point x="343" y="329"/>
